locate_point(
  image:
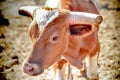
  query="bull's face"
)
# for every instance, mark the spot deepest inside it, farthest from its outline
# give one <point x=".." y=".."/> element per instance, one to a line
<point x="47" y="48"/>
<point x="49" y="32"/>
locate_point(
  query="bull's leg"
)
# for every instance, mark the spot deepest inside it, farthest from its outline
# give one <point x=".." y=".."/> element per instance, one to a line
<point x="59" y="74"/>
<point x="83" y="71"/>
<point x="70" y="76"/>
<point x="91" y="65"/>
<point x="60" y="69"/>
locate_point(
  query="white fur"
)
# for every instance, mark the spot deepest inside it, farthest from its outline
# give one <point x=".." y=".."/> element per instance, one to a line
<point x="44" y="17"/>
<point x="59" y="75"/>
<point x="91" y="65"/>
<point x="65" y="73"/>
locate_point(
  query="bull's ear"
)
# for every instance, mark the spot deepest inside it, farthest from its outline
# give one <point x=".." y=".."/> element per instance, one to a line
<point x="84" y="18"/>
<point x="27" y="11"/>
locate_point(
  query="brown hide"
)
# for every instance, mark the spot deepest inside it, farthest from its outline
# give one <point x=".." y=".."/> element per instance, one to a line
<point x="80" y="5"/>
<point x="34" y="31"/>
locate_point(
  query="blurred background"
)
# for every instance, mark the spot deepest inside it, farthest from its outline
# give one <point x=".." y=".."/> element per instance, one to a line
<point x="15" y="43"/>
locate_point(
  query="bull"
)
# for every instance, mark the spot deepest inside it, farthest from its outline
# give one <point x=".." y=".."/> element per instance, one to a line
<point x="63" y="32"/>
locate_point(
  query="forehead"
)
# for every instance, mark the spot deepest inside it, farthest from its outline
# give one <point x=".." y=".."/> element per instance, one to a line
<point x="44" y="16"/>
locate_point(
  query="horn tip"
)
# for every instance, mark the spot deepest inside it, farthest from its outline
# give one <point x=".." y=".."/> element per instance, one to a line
<point x="26" y="10"/>
<point x="99" y="19"/>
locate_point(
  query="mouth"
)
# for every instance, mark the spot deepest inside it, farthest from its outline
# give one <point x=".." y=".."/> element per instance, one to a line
<point x="33" y="70"/>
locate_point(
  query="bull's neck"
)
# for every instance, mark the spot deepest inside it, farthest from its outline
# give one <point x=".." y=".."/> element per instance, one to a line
<point x="75" y="5"/>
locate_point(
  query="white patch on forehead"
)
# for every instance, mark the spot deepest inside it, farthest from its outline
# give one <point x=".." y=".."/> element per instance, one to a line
<point x="44" y="17"/>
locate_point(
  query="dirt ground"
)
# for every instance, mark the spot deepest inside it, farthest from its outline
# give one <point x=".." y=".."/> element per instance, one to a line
<point x="15" y="43"/>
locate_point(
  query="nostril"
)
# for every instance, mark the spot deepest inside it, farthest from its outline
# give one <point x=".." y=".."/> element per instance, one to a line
<point x="31" y="69"/>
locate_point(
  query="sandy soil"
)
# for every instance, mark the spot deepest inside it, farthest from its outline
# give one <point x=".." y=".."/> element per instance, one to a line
<point x="15" y="44"/>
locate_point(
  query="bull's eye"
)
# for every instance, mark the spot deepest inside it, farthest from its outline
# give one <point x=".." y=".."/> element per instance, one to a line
<point x="55" y="38"/>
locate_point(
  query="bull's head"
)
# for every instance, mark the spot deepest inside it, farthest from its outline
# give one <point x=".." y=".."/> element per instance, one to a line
<point x="49" y="31"/>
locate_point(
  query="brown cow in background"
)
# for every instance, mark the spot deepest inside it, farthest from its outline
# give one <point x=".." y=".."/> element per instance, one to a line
<point x="62" y="37"/>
